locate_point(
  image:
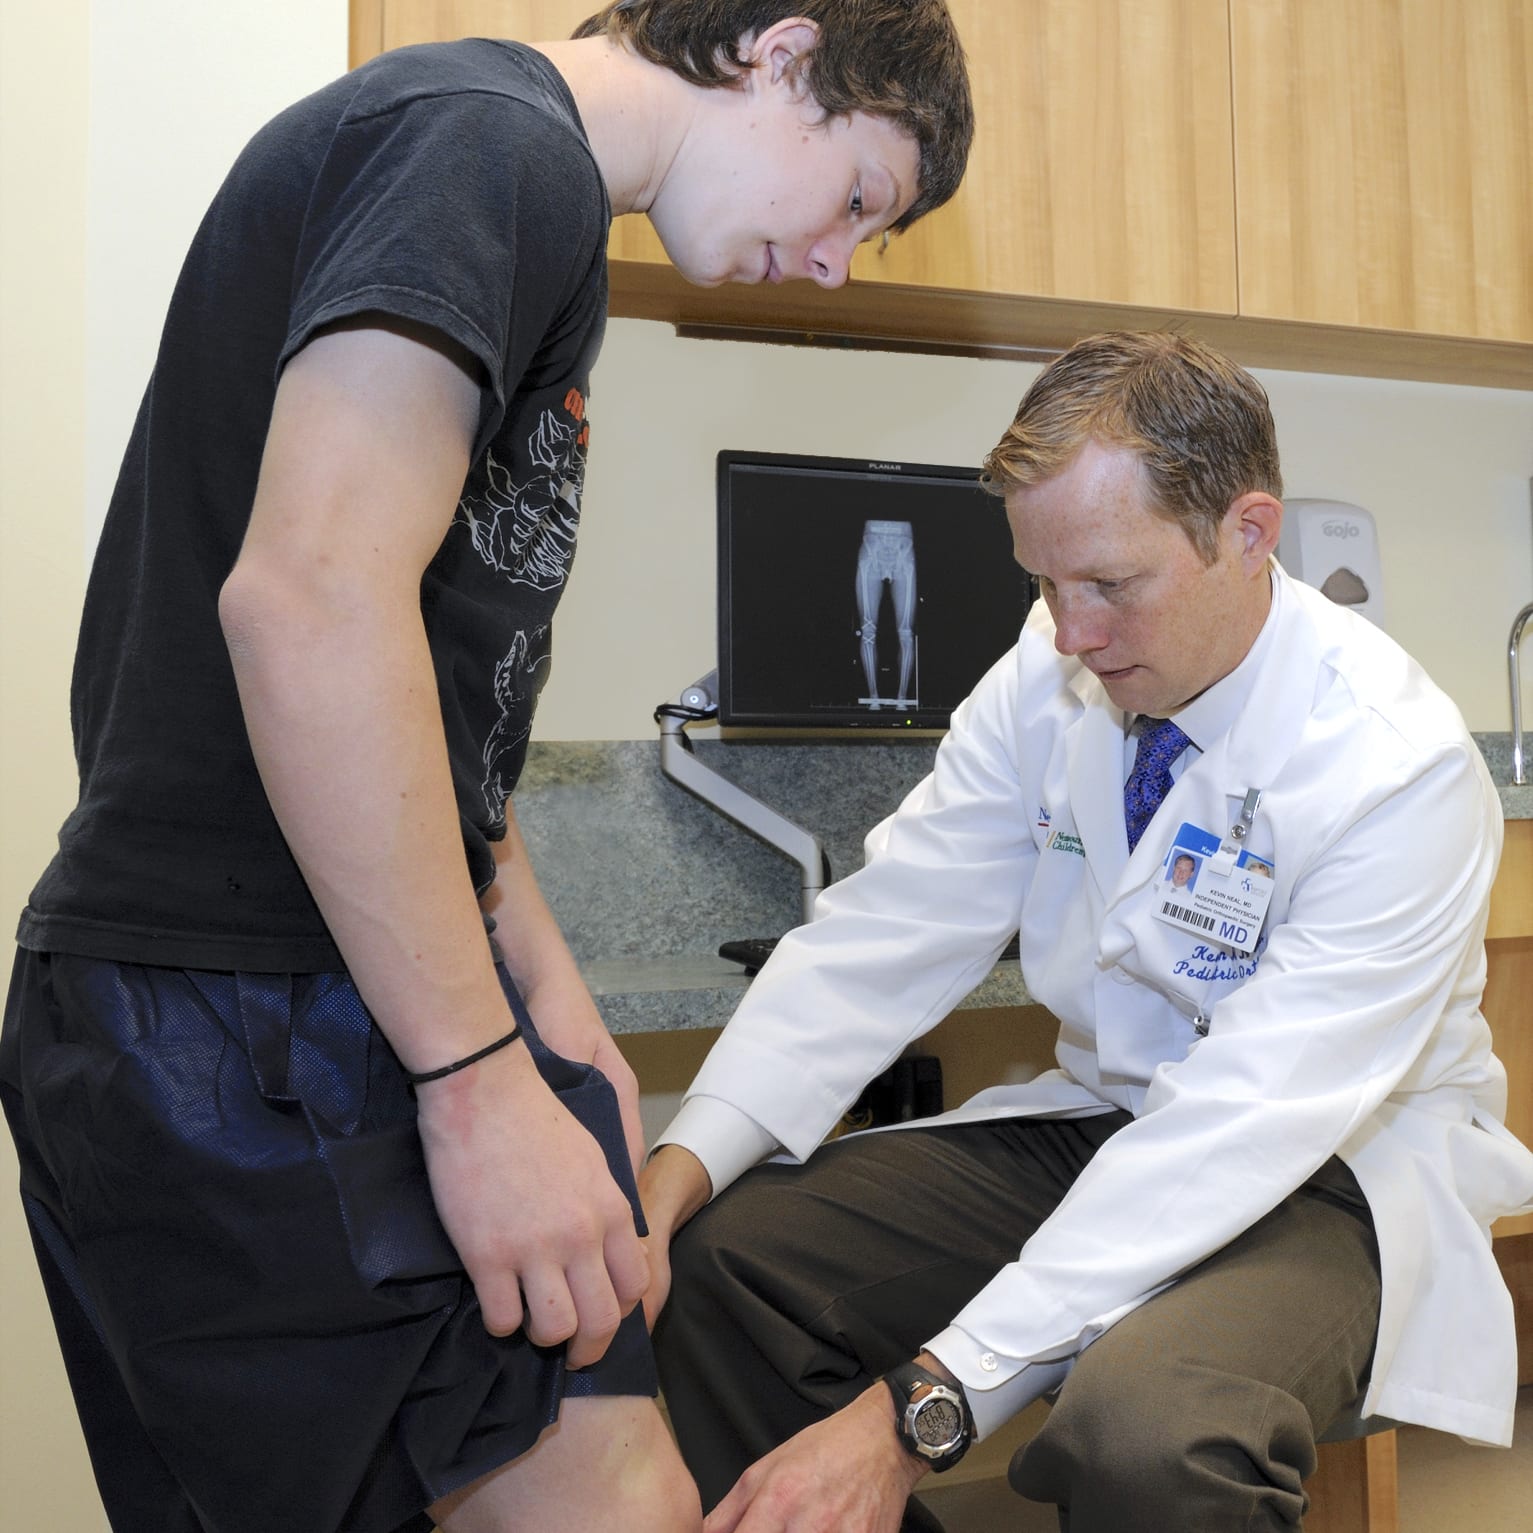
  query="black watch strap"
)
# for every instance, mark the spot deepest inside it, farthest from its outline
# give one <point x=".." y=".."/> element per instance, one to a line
<point x="932" y="1415"/>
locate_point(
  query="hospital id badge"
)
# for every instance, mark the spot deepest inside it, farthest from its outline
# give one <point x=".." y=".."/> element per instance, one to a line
<point x="1222" y="897"/>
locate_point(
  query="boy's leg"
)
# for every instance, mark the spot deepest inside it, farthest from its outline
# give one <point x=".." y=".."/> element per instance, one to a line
<point x="801" y="1284"/>
<point x="1199" y="1411"/>
<point x="608" y="1463"/>
<point x="136" y="1488"/>
<point x="249" y="1232"/>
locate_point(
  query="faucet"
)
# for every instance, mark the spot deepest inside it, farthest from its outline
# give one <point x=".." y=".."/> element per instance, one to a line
<point x="1518" y="623"/>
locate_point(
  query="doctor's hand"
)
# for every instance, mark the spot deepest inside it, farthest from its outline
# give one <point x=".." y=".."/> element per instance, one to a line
<point x="847" y="1474"/>
<point x="672" y="1187"/>
<point x="523" y="1190"/>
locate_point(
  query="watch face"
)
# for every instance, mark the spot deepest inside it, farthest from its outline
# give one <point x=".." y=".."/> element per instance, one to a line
<point x="939" y="1423"/>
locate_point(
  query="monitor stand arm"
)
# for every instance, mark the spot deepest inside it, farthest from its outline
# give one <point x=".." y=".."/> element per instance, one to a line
<point x="679" y="762"/>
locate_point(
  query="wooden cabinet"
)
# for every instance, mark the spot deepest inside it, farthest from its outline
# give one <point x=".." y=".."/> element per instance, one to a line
<point x="1384" y="154"/>
<point x="1509" y="987"/>
<point x="1120" y="192"/>
<point x="1330" y="187"/>
<point x="1102" y="166"/>
<point x="1509" y="1010"/>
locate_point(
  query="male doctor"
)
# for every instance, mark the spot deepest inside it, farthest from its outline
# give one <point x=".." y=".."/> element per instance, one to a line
<point x="1256" y="1190"/>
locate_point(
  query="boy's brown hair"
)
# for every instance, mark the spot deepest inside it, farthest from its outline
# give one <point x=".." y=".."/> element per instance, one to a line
<point x="896" y="59"/>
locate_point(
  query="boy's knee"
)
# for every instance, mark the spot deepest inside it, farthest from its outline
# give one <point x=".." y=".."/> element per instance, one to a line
<point x="658" y="1496"/>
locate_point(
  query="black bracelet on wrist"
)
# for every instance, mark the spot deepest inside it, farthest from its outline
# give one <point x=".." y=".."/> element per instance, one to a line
<point x="464" y="1063"/>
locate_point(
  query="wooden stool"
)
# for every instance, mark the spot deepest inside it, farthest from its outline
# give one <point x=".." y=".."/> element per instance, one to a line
<point x="1355" y="1487"/>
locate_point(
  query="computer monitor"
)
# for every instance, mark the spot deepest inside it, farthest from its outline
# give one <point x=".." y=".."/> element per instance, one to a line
<point x="858" y="594"/>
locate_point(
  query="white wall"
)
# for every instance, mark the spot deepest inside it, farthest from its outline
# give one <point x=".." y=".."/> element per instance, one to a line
<point x="116" y="122"/>
<point x="43" y="97"/>
<point x="176" y="89"/>
<point x="1445" y="471"/>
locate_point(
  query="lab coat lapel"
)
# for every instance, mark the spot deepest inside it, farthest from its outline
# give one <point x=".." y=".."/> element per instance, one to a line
<point x="1253" y="752"/>
<point x="1250" y="755"/>
<point x="1094" y="751"/>
<point x="1268" y="729"/>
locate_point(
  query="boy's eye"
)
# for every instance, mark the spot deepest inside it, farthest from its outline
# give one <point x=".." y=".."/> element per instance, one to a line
<point x="857" y="202"/>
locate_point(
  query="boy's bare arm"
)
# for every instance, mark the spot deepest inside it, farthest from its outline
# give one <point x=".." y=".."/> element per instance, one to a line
<point x="365" y="459"/>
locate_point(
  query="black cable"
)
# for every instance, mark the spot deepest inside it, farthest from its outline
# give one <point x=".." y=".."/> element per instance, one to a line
<point x="681" y="711"/>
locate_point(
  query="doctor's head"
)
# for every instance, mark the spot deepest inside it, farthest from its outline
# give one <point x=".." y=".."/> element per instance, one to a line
<point x="1182" y="869"/>
<point x="1142" y="484"/>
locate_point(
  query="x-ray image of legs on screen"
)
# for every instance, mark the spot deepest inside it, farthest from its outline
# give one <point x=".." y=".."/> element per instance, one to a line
<point x="887" y="558"/>
<point x="854" y="598"/>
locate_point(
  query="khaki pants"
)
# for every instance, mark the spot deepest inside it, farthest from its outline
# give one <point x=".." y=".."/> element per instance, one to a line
<point x="1199" y="1411"/>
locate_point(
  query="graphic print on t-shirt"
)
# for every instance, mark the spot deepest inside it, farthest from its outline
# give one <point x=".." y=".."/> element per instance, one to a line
<point x="526" y="533"/>
<point x="528" y="655"/>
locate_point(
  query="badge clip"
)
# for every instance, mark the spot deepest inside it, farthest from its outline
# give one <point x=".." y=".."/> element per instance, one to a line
<point x="1223" y="861"/>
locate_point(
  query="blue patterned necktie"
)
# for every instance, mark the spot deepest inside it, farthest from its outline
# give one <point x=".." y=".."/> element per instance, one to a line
<point x="1160" y="743"/>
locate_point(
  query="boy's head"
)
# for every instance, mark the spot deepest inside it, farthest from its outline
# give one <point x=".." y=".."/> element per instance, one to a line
<point x="900" y="60"/>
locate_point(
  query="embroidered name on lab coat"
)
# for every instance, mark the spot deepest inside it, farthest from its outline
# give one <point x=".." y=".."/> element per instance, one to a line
<point x="1063" y="841"/>
<point x="1207" y="963"/>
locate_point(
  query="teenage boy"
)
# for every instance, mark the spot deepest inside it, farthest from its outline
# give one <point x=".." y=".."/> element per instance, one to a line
<point x="335" y="1211"/>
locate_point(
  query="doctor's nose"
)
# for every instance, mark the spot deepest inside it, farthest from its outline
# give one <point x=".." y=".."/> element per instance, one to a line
<point x="1076" y="632"/>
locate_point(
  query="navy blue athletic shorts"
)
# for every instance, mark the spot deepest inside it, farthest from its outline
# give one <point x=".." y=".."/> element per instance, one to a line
<point x="264" y="1323"/>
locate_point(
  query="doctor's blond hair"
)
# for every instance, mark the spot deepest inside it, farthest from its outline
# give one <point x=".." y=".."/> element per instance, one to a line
<point x="896" y="59"/>
<point x="1201" y="426"/>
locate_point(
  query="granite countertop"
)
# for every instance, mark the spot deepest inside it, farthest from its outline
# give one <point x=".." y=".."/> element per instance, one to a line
<point x="1516" y="800"/>
<point x="646" y="880"/>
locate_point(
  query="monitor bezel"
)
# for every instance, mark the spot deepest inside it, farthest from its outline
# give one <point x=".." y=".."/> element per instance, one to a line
<point x="730" y="714"/>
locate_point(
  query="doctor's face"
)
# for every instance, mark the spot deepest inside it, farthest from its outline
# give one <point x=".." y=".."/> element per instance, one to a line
<point x="1130" y="596"/>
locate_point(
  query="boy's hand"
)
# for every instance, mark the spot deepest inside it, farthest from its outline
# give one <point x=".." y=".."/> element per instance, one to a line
<point x="524" y="1193"/>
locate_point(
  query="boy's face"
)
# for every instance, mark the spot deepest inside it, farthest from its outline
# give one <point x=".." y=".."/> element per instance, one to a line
<point x="770" y="191"/>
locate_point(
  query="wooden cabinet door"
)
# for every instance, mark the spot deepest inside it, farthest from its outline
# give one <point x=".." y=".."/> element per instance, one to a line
<point x="1508" y="1004"/>
<point x="1102" y="167"/>
<point x="1384" y="156"/>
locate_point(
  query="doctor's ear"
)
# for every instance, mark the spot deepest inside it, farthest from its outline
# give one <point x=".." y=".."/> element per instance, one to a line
<point x="1255" y="519"/>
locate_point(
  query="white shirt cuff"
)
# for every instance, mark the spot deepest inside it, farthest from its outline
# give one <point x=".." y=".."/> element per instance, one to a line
<point x="996" y="1386"/>
<point x="727" y="1141"/>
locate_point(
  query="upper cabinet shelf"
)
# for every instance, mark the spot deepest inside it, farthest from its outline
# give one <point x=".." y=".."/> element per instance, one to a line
<point x="1330" y="187"/>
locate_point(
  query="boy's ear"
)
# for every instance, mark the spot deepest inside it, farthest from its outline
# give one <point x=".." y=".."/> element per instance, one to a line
<point x="776" y="51"/>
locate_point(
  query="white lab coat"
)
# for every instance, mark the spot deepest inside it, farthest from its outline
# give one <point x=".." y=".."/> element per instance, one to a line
<point x="1355" y="1031"/>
